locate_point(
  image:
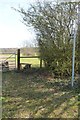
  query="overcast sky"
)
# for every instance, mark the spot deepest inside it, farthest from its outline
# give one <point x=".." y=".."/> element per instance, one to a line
<point x="12" y="32"/>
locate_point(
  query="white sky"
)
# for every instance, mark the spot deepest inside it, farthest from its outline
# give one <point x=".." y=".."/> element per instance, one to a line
<point x="12" y="32"/>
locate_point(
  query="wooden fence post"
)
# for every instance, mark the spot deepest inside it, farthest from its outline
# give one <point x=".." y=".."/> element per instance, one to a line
<point x="18" y="59"/>
<point x="40" y="62"/>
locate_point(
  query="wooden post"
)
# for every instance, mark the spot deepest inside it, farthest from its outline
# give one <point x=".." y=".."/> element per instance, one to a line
<point x="40" y="62"/>
<point x="15" y="60"/>
<point x="18" y="59"/>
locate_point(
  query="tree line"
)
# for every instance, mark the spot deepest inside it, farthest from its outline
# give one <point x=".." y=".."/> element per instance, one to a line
<point x="53" y="25"/>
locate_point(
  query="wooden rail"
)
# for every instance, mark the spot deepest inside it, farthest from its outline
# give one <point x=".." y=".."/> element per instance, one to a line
<point x="30" y="57"/>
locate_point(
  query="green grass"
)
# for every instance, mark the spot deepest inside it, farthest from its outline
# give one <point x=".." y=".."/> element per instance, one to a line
<point x="34" y="61"/>
<point x="38" y="95"/>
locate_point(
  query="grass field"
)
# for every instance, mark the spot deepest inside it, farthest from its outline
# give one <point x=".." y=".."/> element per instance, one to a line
<point x="34" y="61"/>
<point x="38" y="94"/>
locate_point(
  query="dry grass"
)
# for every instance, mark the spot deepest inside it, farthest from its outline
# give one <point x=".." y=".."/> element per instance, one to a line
<point x="38" y="95"/>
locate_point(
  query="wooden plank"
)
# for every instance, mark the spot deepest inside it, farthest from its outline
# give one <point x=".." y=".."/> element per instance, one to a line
<point x="7" y="53"/>
<point x="30" y="57"/>
<point x="25" y="63"/>
<point x="12" y="64"/>
<point x="11" y="61"/>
